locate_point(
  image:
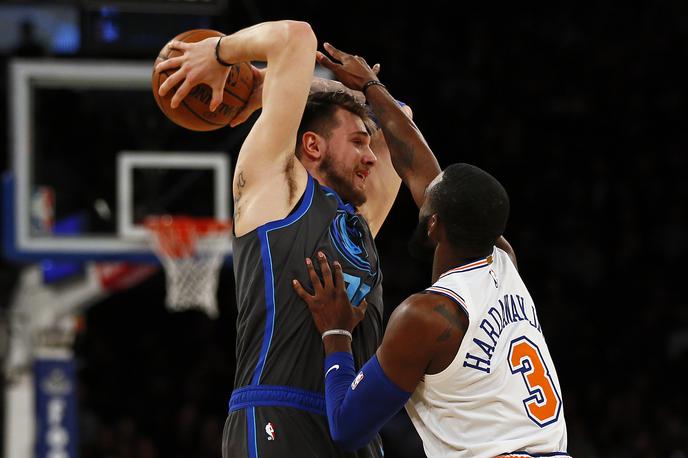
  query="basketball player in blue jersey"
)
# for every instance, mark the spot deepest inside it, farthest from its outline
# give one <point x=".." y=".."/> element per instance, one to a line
<point x="312" y="176"/>
<point x="467" y="356"/>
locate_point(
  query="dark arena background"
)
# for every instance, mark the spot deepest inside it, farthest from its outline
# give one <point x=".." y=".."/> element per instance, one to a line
<point x="581" y="111"/>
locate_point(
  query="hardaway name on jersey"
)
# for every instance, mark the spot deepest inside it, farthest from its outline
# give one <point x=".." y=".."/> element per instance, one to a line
<point x="501" y="393"/>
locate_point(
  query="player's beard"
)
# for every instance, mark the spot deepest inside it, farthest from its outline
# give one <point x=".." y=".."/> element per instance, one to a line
<point x="341" y="183"/>
<point x="420" y="246"/>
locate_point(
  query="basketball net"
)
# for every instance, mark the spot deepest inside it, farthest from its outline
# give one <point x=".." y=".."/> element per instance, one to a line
<point x="190" y="250"/>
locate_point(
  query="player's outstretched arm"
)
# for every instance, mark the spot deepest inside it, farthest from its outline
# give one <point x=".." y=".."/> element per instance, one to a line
<point x="422" y="337"/>
<point x="268" y="180"/>
<point x="411" y="156"/>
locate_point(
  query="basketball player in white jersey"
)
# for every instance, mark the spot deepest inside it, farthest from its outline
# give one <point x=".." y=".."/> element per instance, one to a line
<point x="467" y="356"/>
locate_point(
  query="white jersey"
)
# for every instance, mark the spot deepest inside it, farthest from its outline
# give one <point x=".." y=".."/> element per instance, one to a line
<point x="501" y="393"/>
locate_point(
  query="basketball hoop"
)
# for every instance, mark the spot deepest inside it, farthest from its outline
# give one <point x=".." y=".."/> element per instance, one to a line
<point x="191" y="251"/>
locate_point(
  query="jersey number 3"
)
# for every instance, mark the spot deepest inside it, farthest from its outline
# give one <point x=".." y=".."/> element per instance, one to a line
<point x="544" y="403"/>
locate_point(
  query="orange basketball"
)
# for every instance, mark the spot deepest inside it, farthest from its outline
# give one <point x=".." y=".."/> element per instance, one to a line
<point x="194" y="111"/>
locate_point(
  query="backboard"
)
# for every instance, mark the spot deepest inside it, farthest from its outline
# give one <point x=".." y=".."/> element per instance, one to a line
<point x="88" y="144"/>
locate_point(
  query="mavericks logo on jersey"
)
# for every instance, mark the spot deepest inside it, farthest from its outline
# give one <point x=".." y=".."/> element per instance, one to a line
<point x="347" y="236"/>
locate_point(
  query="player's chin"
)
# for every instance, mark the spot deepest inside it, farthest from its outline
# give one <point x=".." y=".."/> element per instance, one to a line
<point x="358" y="195"/>
<point x="362" y="188"/>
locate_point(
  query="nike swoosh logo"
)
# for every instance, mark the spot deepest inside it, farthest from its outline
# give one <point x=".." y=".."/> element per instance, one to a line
<point x="334" y="367"/>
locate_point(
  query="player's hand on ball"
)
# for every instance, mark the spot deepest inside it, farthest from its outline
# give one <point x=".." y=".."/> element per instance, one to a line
<point x="352" y="71"/>
<point x="329" y="304"/>
<point x="195" y="65"/>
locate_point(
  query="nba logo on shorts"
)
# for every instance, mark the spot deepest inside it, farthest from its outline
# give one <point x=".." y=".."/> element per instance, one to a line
<point x="270" y="430"/>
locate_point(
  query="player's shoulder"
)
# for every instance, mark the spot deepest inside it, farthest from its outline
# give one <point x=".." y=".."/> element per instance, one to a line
<point x="421" y="315"/>
<point x="423" y="299"/>
<point x="422" y="308"/>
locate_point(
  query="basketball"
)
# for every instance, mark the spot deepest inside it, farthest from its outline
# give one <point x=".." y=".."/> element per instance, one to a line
<point x="194" y="111"/>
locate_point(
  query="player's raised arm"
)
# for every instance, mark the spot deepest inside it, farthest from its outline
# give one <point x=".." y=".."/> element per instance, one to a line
<point x="411" y="156"/>
<point x="409" y="153"/>
<point x="268" y="180"/>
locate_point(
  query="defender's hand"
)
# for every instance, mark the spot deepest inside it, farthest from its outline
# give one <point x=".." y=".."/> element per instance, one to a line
<point x="352" y="71"/>
<point x="329" y="303"/>
<point x="194" y="66"/>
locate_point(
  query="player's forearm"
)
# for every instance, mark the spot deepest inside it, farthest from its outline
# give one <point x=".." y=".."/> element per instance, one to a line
<point x="358" y="405"/>
<point x="267" y="40"/>
<point x="411" y="156"/>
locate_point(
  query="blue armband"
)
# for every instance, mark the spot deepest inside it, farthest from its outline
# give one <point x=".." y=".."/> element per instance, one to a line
<point x="358" y="405"/>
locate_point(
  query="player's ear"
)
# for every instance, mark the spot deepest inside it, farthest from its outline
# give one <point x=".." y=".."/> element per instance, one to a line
<point x="312" y="146"/>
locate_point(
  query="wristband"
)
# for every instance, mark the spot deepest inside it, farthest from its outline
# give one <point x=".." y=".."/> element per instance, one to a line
<point x="337" y="332"/>
<point x="371" y="83"/>
<point x="217" y="53"/>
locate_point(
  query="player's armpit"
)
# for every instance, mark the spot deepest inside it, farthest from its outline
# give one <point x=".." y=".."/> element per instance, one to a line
<point x="257" y="202"/>
<point x="273" y="180"/>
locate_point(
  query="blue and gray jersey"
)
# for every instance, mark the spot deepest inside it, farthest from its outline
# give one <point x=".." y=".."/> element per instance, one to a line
<point x="277" y="344"/>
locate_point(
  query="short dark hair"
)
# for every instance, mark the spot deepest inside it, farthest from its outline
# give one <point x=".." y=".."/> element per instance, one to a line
<point x="473" y="207"/>
<point x="319" y="114"/>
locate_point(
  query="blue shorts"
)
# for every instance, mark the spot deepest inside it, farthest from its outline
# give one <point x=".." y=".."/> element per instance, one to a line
<point x="296" y="426"/>
<point x="279" y="432"/>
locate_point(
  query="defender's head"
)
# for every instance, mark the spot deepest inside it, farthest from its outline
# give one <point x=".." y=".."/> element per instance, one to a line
<point x="465" y="207"/>
<point x="334" y="143"/>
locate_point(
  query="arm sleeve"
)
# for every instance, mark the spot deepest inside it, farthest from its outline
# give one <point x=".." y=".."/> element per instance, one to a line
<point x="358" y="405"/>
